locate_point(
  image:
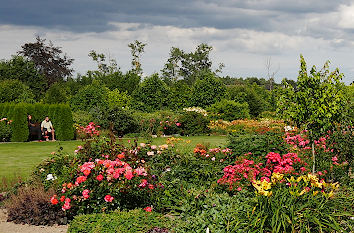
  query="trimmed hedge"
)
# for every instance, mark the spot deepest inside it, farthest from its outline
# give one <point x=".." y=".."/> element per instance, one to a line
<point x="59" y="114"/>
<point x="125" y="221"/>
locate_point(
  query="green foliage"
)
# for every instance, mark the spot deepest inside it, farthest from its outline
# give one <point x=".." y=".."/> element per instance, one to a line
<point x="257" y="144"/>
<point x="317" y="103"/>
<point x="127" y="82"/>
<point x="39" y="112"/>
<point x="25" y="71"/>
<point x="122" y="120"/>
<point x="179" y="96"/>
<point x="137" y="49"/>
<point x="15" y="91"/>
<point x="64" y="120"/>
<point x="189" y="66"/>
<point x="120" y="221"/>
<point x="4" y="109"/>
<point x="19" y="125"/>
<point x="194" y="123"/>
<point x="82" y="117"/>
<point x="152" y="93"/>
<point x="248" y="94"/>
<point x="219" y="213"/>
<point x="90" y="97"/>
<point x="5" y="131"/>
<point x="117" y="99"/>
<point x="229" y="110"/>
<point x="59" y="114"/>
<point x="57" y="93"/>
<point x="207" y="90"/>
<point x="285" y="212"/>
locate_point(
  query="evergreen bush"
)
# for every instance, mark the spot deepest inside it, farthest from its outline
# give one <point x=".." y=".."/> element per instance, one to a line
<point x="19" y="125"/>
<point x="60" y="115"/>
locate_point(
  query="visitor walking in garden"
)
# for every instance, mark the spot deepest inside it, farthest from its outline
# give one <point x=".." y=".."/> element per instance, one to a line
<point x="47" y="129"/>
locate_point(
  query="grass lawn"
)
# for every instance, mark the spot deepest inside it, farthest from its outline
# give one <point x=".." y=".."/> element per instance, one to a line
<point x="19" y="159"/>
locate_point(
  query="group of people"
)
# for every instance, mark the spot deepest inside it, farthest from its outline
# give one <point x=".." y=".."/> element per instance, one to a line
<point x="45" y="130"/>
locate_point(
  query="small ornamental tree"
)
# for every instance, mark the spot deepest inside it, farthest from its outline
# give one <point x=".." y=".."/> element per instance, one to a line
<point x="317" y="102"/>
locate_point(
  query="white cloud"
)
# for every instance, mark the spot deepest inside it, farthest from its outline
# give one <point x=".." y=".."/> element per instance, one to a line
<point x="346" y="13"/>
<point x="243" y="51"/>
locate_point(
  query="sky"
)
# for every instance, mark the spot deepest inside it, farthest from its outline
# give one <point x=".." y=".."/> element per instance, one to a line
<point x="244" y="34"/>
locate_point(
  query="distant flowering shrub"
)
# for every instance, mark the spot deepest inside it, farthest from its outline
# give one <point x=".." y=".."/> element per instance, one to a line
<point x="197" y="110"/>
<point x="89" y="131"/>
<point x="214" y="154"/>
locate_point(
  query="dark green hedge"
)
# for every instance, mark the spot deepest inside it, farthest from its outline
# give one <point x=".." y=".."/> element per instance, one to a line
<point x="116" y="222"/>
<point x="59" y="114"/>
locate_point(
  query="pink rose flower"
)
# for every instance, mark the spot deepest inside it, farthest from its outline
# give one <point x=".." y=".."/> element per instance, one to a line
<point x="108" y="198"/>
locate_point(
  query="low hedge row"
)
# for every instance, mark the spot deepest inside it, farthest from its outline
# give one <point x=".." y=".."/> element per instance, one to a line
<point x="59" y="114"/>
<point x="121" y="221"/>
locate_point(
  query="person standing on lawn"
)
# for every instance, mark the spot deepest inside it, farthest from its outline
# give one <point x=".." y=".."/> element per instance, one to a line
<point x="34" y="129"/>
<point x="47" y="129"/>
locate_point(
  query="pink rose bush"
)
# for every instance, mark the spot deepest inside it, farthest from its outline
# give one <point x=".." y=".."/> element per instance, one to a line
<point x="119" y="179"/>
<point x="89" y="131"/>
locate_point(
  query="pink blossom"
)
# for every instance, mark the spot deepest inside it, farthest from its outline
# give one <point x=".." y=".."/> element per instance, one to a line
<point x="108" y="198"/>
<point x="85" y="193"/>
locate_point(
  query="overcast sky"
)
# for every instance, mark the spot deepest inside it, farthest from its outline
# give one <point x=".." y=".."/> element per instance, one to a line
<point x="243" y="33"/>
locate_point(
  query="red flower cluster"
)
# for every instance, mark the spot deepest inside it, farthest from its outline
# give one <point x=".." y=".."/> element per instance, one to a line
<point x="246" y="171"/>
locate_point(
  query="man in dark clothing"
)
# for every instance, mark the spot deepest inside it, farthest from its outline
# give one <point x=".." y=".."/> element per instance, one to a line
<point x="34" y="129"/>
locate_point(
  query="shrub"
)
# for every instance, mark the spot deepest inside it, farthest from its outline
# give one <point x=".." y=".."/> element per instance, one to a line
<point x="82" y="117"/>
<point x="19" y="126"/>
<point x="5" y="130"/>
<point x="118" y="99"/>
<point x="57" y="93"/>
<point x="257" y="144"/>
<point x="229" y="110"/>
<point x="90" y="97"/>
<point x="193" y="123"/>
<point x="207" y="90"/>
<point x="105" y="176"/>
<point x="218" y="213"/>
<point x="123" y="221"/>
<point x="15" y="91"/>
<point x="288" y="198"/>
<point x="152" y="93"/>
<point x="39" y="112"/>
<point x="64" y="119"/>
<point x="30" y="205"/>
<point x="179" y="95"/>
<point x="123" y="121"/>
<point x="247" y="94"/>
<point x="148" y="123"/>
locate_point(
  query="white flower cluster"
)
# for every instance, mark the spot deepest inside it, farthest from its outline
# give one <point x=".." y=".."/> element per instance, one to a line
<point x="197" y="110"/>
<point x="51" y="177"/>
<point x="288" y="128"/>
